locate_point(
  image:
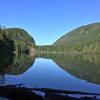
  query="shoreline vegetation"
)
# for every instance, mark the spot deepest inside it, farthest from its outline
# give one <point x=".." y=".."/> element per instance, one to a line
<point x="83" y="40"/>
<point x="15" y="41"/>
<point x="54" y="50"/>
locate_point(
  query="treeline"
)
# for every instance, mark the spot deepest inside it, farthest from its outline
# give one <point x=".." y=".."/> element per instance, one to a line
<point x="81" y="48"/>
<point x="6" y="49"/>
<point x="20" y="40"/>
<point x="23" y="41"/>
<point x="6" y="44"/>
<point x="83" y="39"/>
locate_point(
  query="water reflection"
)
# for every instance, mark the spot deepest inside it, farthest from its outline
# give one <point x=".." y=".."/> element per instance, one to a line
<point x="86" y="66"/>
<point x="56" y="71"/>
<point x="14" y="65"/>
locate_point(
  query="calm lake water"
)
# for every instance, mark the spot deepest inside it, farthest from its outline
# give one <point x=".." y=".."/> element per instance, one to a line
<point x="66" y="72"/>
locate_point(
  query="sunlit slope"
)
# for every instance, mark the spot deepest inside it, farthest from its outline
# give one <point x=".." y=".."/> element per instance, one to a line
<point x="82" y="39"/>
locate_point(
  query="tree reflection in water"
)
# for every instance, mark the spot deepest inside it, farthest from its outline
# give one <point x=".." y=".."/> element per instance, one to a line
<point x="83" y="66"/>
<point x="16" y="65"/>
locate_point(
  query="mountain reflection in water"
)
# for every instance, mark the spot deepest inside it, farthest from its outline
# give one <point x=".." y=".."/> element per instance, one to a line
<point x="84" y="66"/>
<point x="64" y="72"/>
<point x="15" y="65"/>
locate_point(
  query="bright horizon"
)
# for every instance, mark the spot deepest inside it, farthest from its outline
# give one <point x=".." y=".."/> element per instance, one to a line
<point x="48" y="20"/>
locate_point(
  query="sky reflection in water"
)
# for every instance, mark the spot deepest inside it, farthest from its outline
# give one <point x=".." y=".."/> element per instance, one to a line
<point x="45" y="73"/>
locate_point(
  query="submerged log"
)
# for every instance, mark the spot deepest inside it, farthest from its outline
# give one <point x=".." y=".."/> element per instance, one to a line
<point x="17" y="92"/>
<point x="48" y="90"/>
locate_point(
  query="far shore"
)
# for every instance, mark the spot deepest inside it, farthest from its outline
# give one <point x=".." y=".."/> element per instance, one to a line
<point x="53" y="52"/>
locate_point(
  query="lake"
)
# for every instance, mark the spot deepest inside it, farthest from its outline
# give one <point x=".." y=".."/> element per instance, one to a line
<point x="64" y="72"/>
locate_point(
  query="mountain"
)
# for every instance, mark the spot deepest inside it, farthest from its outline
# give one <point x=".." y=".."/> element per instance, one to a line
<point x="21" y="38"/>
<point x="15" y="39"/>
<point x="85" y="38"/>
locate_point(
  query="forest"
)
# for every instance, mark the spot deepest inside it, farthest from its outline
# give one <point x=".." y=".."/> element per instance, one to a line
<point x="85" y="39"/>
<point x="15" y="40"/>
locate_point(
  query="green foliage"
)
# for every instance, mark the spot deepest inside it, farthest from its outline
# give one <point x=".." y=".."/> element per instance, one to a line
<point x="6" y="44"/>
<point x="6" y="49"/>
<point x="85" y="39"/>
<point x="20" y="38"/>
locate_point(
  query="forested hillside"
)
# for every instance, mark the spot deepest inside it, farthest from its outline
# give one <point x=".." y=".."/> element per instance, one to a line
<point x="15" y="40"/>
<point x="85" y="38"/>
<point x="21" y="38"/>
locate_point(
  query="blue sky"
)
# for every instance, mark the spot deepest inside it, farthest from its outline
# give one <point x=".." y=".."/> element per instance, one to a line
<point x="47" y="20"/>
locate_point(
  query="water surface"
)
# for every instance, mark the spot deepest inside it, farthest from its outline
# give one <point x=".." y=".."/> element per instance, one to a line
<point x="66" y="72"/>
